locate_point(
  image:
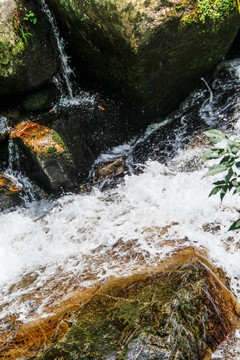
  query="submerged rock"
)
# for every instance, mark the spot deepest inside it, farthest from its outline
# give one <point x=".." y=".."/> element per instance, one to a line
<point x="178" y="309"/>
<point x="27" y="58"/>
<point x="9" y="193"/>
<point x="45" y="155"/>
<point x="151" y="51"/>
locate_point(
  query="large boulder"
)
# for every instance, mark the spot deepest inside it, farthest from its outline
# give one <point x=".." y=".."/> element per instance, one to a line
<point x="180" y="309"/>
<point x="180" y="313"/>
<point x="153" y="51"/>
<point x="27" y="57"/>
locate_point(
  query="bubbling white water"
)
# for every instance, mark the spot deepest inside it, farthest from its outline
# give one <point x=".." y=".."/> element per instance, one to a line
<point x="159" y="197"/>
<point x="164" y="207"/>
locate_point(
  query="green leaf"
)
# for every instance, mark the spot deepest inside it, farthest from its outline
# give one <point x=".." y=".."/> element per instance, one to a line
<point x="215" y="169"/>
<point x="229" y="175"/>
<point x="215" y="190"/>
<point x="237" y="190"/>
<point x="214" y="133"/>
<point x="225" y="159"/>
<point x="209" y="155"/>
<point x="235" y="225"/>
<point x="216" y="140"/>
<point x="233" y="146"/>
<point x="221" y="182"/>
<point x="223" y="192"/>
<point x="234" y="182"/>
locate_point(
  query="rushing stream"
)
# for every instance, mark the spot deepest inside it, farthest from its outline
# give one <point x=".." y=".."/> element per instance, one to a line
<point x="161" y="204"/>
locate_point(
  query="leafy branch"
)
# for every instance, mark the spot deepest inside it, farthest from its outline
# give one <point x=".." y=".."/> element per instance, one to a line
<point x="229" y="163"/>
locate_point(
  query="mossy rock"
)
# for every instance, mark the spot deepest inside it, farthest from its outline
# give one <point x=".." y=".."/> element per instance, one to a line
<point x="27" y="51"/>
<point x="44" y="155"/>
<point x="153" y="52"/>
<point x="181" y="312"/>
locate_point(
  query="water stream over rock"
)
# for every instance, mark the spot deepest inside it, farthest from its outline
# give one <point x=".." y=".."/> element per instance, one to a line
<point x="63" y="82"/>
<point x="159" y="206"/>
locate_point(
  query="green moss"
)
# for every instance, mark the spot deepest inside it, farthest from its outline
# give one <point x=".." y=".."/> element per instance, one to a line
<point x="56" y="137"/>
<point x="52" y="151"/>
<point x="66" y="154"/>
<point x="215" y="11"/>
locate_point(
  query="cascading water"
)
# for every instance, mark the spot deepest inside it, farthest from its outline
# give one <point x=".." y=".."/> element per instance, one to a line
<point x="14" y="173"/>
<point x="66" y="70"/>
<point x="63" y="82"/>
<point x="163" y="205"/>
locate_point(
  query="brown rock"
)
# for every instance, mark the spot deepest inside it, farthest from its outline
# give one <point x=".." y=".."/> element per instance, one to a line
<point x="9" y="193"/>
<point x="115" y="168"/>
<point x="179" y="308"/>
<point x="51" y="158"/>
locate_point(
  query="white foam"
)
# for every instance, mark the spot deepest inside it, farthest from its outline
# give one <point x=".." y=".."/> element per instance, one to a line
<point x="158" y="197"/>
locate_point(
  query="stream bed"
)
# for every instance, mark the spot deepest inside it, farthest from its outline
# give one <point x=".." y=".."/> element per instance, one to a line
<point x="159" y="205"/>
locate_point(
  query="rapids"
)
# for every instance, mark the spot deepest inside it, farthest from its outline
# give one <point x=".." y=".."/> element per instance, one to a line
<point x="161" y="204"/>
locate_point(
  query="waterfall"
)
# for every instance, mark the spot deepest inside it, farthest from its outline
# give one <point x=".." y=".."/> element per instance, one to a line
<point x="64" y="84"/>
<point x="66" y="70"/>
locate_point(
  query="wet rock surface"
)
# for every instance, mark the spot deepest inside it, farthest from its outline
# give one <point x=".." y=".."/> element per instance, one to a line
<point x="46" y="150"/>
<point x="151" y="51"/>
<point x="10" y="193"/>
<point x="178" y="309"/>
<point x="178" y="314"/>
<point x="109" y="171"/>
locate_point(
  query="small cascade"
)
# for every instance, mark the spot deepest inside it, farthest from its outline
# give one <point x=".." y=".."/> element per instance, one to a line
<point x="63" y="82"/>
<point x="14" y="173"/>
<point x="66" y="70"/>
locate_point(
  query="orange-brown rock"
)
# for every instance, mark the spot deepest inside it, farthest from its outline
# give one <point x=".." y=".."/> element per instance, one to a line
<point x="115" y="168"/>
<point x="38" y="138"/>
<point x="179" y="307"/>
<point x="9" y="193"/>
<point x="46" y="151"/>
